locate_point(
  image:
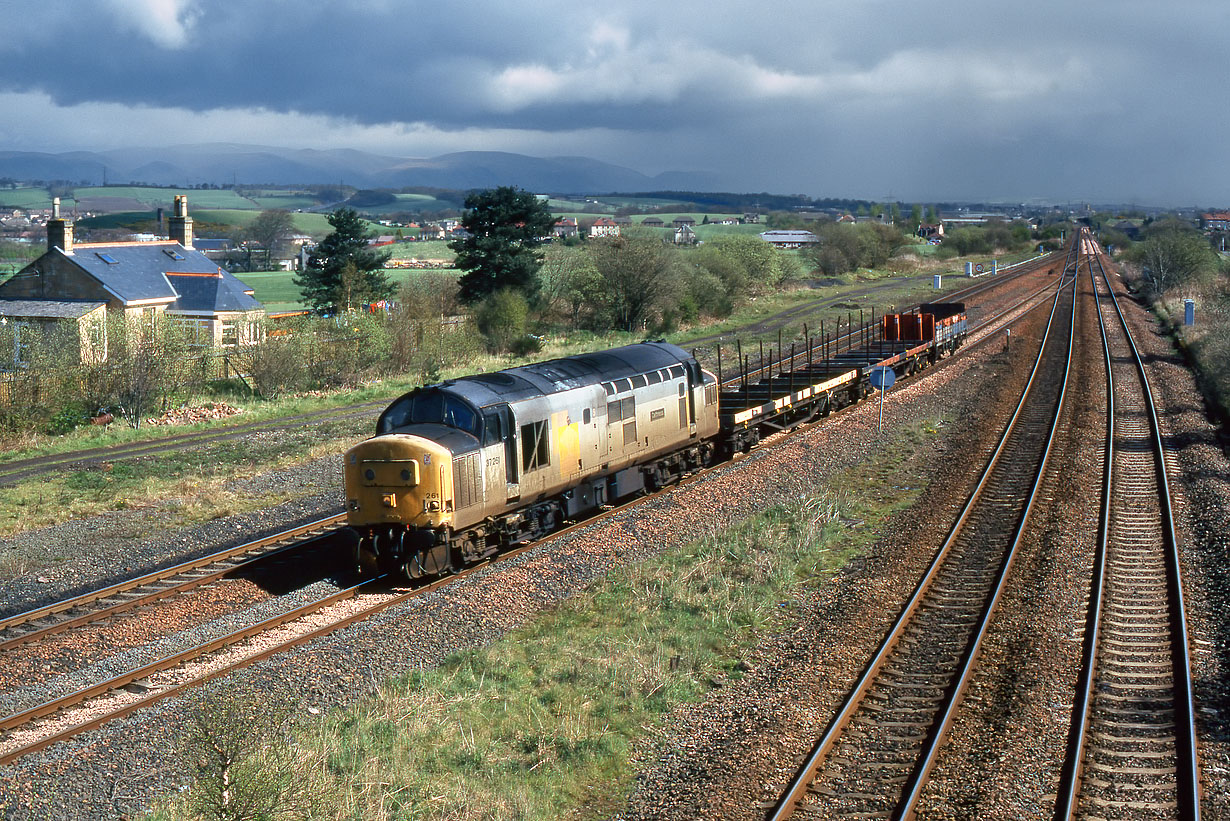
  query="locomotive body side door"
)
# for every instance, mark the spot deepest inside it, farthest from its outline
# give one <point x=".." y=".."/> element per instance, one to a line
<point x="500" y="454"/>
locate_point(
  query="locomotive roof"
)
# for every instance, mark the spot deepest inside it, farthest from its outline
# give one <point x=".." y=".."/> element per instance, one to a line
<point x="567" y="373"/>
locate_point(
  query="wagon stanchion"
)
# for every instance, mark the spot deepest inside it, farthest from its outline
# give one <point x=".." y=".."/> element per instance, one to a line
<point x="742" y="370"/>
<point x="792" y="371"/>
<point x="747" y="396"/>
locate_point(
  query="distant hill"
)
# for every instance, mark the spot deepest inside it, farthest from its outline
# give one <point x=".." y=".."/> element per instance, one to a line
<point x="220" y="163"/>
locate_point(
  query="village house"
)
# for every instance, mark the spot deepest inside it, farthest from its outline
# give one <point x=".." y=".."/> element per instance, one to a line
<point x="604" y="227"/>
<point x="1215" y="221"/>
<point x="565" y="228"/>
<point x="140" y="280"/>
<point x="653" y="222"/>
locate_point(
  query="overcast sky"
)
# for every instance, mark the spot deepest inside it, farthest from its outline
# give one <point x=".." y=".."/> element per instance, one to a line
<point x="1103" y="100"/>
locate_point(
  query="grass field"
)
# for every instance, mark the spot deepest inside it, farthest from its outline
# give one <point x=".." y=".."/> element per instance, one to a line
<point x="25" y="198"/>
<point x="430" y="249"/>
<point x="288" y="201"/>
<point x="277" y="291"/>
<point x="154" y="197"/>
<point x="315" y="224"/>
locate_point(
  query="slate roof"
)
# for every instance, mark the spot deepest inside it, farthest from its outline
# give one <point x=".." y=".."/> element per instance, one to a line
<point x="212" y="294"/>
<point x="48" y="308"/>
<point x="163" y="270"/>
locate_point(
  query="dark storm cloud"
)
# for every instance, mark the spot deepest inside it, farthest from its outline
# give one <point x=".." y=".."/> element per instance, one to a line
<point x="855" y="98"/>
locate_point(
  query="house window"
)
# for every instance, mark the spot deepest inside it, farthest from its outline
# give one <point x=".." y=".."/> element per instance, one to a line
<point x="230" y="334"/>
<point x="535" y="452"/>
<point x="198" y="331"/>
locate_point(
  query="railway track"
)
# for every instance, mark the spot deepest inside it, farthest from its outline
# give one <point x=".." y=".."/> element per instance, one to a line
<point x="878" y="751"/>
<point x="66" y="716"/>
<point x="1132" y="746"/>
<point x="19" y="470"/>
<point x="142" y="591"/>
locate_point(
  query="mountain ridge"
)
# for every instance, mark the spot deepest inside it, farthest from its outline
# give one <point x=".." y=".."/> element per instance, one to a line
<point x="235" y="163"/>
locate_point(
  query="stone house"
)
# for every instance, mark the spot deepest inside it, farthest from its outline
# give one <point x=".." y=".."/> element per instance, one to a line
<point x="141" y="280"/>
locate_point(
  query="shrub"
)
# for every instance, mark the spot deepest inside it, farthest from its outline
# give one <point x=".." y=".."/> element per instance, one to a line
<point x="502" y="319"/>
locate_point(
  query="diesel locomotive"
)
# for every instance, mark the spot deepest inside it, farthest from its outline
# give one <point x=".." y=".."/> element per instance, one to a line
<point x="462" y="469"/>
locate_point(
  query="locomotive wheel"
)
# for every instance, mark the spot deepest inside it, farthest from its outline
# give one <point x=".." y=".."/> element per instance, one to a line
<point x="427" y="564"/>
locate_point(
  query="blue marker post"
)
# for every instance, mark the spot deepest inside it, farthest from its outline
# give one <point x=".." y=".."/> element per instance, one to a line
<point x="882" y="379"/>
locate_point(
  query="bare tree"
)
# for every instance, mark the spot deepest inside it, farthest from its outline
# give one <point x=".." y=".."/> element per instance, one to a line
<point x="635" y="275"/>
<point x="271" y="228"/>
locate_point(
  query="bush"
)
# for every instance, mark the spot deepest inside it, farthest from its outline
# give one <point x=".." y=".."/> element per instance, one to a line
<point x="67" y="419"/>
<point x="502" y="319"/>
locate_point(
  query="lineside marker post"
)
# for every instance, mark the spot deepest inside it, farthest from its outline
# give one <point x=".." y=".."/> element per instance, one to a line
<point x="882" y="379"/>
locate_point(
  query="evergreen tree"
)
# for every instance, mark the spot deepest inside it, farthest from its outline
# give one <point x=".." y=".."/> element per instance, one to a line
<point x="505" y="227"/>
<point x="343" y="271"/>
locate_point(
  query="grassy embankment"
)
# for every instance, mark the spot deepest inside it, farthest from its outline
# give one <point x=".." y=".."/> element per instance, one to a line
<point x="547" y="722"/>
<point x="1207" y="342"/>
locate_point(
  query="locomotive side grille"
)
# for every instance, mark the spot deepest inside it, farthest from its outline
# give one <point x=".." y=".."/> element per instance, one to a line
<point x="467" y="480"/>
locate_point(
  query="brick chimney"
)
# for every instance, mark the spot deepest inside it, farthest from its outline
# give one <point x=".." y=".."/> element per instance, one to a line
<point x="179" y="226"/>
<point x="59" y="231"/>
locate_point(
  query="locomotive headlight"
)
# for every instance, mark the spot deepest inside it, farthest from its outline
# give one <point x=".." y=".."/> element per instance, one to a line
<point x="433" y="506"/>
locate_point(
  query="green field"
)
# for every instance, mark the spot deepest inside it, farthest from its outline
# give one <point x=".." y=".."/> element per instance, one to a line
<point x="415" y="202"/>
<point x="288" y="201"/>
<point x="154" y="197"/>
<point x="638" y="202"/>
<point x="431" y="249"/>
<point x="277" y="291"/>
<point x="315" y="224"/>
<point x="25" y="198"/>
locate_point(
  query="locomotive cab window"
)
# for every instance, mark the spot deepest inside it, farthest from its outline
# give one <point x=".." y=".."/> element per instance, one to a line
<point x="535" y="449"/>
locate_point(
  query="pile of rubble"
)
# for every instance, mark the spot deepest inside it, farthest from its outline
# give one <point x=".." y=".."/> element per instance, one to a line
<point x="191" y="414"/>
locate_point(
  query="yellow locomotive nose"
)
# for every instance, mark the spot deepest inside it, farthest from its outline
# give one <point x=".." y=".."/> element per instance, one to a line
<point x="398" y="479"/>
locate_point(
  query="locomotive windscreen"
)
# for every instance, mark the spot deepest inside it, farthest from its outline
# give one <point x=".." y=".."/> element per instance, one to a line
<point x="427" y="407"/>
